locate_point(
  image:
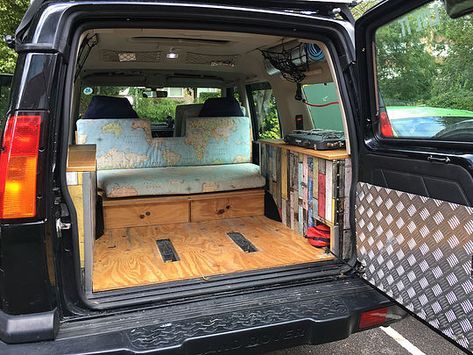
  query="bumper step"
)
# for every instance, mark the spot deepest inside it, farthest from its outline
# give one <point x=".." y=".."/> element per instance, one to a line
<point x="251" y="322"/>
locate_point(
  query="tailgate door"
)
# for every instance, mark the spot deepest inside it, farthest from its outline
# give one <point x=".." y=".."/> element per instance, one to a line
<point x="414" y="215"/>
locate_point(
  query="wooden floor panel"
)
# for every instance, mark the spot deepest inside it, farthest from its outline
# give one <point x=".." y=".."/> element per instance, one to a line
<point x="130" y="257"/>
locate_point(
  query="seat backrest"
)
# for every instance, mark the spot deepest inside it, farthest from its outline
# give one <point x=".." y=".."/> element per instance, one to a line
<point x="217" y="107"/>
<point x="221" y="107"/>
<point x="220" y="140"/>
<point x="182" y="113"/>
<point x="128" y="143"/>
<point x="101" y="107"/>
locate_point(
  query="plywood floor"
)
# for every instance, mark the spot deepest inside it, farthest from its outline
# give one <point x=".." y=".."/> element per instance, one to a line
<point x="129" y="257"/>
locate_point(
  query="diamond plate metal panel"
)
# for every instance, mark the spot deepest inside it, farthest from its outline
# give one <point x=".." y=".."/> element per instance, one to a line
<point x="419" y="251"/>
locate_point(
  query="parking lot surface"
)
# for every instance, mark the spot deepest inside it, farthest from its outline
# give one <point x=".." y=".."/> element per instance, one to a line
<point x="408" y="336"/>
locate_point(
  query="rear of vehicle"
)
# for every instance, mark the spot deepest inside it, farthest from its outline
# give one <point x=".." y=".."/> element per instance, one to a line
<point x="148" y="201"/>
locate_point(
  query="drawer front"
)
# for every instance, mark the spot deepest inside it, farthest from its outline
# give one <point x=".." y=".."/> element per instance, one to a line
<point x="146" y="214"/>
<point x="228" y="207"/>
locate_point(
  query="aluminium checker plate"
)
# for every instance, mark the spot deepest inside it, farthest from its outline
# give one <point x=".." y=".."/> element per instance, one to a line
<point x="419" y="252"/>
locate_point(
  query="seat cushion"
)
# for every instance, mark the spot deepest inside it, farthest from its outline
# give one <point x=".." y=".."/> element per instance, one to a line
<point x="179" y="180"/>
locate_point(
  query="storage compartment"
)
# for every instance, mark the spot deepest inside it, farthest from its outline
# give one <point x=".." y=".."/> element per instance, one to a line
<point x="144" y="212"/>
<point x="207" y="203"/>
<point x="309" y="187"/>
<point x="136" y="212"/>
<point x="227" y="205"/>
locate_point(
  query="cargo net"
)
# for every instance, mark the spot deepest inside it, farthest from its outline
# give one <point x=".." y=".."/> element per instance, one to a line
<point x="291" y="62"/>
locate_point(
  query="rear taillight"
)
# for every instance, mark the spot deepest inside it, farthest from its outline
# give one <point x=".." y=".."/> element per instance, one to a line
<point x="18" y="166"/>
<point x="385" y="125"/>
<point x="373" y="318"/>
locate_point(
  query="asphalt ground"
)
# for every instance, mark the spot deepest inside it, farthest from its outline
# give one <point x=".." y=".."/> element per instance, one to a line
<point x="377" y="341"/>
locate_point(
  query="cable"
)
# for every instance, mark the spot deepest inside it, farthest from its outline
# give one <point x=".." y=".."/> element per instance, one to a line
<point x="320" y="105"/>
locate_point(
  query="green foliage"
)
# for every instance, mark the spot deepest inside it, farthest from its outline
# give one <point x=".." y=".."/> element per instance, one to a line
<point x="11" y="13"/>
<point x="156" y="109"/>
<point x="425" y="58"/>
<point x="270" y="129"/>
<point x="461" y="99"/>
<point x="207" y="95"/>
<point x="4" y="100"/>
<point x="364" y="6"/>
<point x="267" y="114"/>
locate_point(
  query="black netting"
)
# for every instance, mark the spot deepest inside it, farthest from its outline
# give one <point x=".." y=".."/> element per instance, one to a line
<point x="291" y="62"/>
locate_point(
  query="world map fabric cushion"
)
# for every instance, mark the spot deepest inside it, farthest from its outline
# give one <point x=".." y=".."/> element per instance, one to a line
<point x="128" y="143"/>
<point x="179" y="181"/>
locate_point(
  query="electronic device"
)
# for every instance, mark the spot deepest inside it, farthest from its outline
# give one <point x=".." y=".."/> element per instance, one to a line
<point x="318" y="139"/>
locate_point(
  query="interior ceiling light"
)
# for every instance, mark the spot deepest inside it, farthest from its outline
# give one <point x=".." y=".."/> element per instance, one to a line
<point x="172" y="54"/>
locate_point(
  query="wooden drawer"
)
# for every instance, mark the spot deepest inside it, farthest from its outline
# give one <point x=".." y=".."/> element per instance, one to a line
<point x="244" y="204"/>
<point x="143" y="214"/>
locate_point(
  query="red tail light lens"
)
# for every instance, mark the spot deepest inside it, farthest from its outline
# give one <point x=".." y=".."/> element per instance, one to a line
<point x="373" y="318"/>
<point x="385" y="125"/>
<point x="18" y="166"/>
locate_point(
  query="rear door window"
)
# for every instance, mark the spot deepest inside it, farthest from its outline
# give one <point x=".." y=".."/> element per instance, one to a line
<point x="424" y="69"/>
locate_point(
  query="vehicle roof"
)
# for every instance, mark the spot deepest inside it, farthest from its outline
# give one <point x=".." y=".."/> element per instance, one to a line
<point x="48" y="17"/>
<point x="397" y="112"/>
<point x="306" y="5"/>
<point x="259" y="3"/>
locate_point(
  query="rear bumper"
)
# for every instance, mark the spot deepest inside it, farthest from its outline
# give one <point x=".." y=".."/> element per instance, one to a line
<point x="252" y="322"/>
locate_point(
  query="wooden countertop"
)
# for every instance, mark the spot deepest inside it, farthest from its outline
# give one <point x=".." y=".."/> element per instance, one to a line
<point x="81" y="158"/>
<point x="337" y="154"/>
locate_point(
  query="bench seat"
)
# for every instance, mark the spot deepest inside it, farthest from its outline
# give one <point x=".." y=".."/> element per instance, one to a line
<point x="179" y="180"/>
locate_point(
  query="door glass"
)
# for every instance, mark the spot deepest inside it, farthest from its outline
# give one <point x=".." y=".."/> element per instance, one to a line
<point x="264" y="105"/>
<point x="425" y="75"/>
<point x="5" y="84"/>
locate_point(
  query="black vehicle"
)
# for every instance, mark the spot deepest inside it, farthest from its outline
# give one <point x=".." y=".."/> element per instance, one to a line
<point x="223" y="238"/>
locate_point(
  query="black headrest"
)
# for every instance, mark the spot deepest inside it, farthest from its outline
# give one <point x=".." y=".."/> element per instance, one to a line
<point x="221" y="107"/>
<point x="109" y="107"/>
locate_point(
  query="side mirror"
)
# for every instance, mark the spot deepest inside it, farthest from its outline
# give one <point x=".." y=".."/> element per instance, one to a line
<point x="458" y="8"/>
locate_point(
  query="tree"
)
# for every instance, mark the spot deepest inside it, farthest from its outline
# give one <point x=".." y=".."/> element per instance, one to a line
<point x="362" y="7"/>
<point x="11" y="13"/>
<point x="267" y="114"/>
<point x="425" y="59"/>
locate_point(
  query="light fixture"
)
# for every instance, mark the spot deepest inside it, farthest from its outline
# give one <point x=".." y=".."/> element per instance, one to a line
<point x="172" y="54"/>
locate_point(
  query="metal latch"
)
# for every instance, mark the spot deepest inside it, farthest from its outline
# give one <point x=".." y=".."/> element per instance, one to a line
<point x="445" y="160"/>
<point x="60" y="225"/>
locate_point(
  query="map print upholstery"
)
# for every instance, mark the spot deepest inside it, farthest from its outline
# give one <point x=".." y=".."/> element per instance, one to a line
<point x="128" y="143"/>
<point x="215" y="155"/>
